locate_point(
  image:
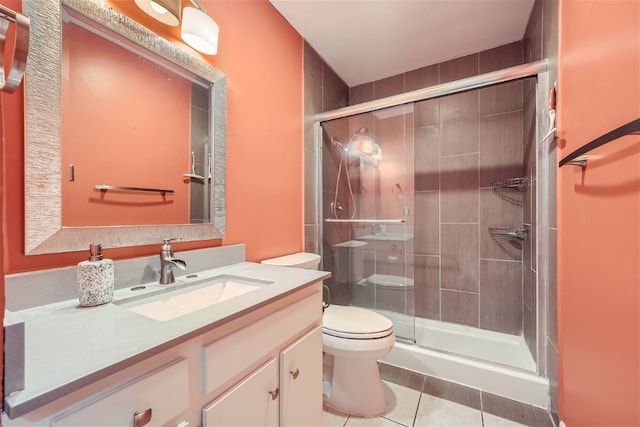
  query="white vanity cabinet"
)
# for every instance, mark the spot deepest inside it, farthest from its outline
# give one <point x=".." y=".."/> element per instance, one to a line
<point x="287" y="346"/>
<point x="252" y="402"/>
<point x="301" y="381"/>
<point x="260" y="367"/>
<point x="152" y="399"/>
<point x="285" y="391"/>
<point x="152" y="394"/>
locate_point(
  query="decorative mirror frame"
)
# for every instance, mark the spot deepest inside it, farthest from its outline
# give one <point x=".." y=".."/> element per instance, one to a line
<point x="44" y="232"/>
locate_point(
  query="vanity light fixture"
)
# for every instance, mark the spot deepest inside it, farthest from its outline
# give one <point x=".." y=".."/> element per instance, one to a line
<point x="198" y="29"/>
<point x="165" y="11"/>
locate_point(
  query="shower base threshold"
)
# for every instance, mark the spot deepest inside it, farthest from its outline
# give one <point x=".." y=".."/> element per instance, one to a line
<point x="476" y="343"/>
<point x="515" y="384"/>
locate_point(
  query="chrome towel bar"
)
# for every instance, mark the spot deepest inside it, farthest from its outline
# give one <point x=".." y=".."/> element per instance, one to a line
<point x="366" y="221"/>
<point x="631" y="128"/>
<point x="105" y="187"/>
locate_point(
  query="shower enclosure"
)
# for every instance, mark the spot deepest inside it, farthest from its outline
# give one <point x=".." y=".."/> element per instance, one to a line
<point x="427" y="201"/>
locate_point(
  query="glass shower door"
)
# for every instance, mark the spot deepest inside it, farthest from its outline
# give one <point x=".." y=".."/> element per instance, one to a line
<point x="368" y="213"/>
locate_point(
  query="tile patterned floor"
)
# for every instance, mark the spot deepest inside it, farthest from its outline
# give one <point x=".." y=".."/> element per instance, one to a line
<point x="419" y="400"/>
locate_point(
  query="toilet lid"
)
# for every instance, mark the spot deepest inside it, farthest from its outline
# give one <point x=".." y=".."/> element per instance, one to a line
<point x="355" y="323"/>
<point x="300" y="260"/>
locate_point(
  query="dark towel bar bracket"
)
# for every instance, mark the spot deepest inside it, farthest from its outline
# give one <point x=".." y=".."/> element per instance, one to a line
<point x="631" y="128"/>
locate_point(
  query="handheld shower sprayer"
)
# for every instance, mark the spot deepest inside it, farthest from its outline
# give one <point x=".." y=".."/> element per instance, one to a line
<point x="363" y="149"/>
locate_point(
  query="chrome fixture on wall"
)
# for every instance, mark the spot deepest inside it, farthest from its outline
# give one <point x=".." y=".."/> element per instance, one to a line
<point x="165" y="11"/>
<point x="19" y="60"/>
<point x="362" y="146"/>
<point x="197" y="29"/>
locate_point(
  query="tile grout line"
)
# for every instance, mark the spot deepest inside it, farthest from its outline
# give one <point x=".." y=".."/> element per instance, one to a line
<point x="415" y="415"/>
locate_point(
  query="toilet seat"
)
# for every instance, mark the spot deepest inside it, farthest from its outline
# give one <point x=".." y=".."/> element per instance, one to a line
<point x="355" y="323"/>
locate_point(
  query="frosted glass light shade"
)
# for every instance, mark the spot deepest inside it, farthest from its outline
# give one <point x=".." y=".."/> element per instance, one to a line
<point x="199" y="31"/>
<point x="165" y="11"/>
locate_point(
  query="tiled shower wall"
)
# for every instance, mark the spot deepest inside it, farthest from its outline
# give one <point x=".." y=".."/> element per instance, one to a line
<point x="463" y="143"/>
<point x="323" y="91"/>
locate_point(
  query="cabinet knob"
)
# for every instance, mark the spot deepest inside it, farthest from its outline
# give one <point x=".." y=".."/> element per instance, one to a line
<point x="295" y="373"/>
<point x="274" y="394"/>
<point x="141" y="418"/>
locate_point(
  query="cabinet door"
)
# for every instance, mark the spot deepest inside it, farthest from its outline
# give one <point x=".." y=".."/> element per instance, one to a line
<point x="301" y="381"/>
<point x="252" y="402"/>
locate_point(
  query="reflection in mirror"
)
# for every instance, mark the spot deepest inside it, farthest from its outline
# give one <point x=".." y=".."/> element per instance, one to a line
<point x="118" y="106"/>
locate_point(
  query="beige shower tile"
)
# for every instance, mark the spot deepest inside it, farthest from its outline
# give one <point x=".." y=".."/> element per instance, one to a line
<point x="459" y="266"/>
<point x="501" y="98"/>
<point x="439" y="412"/>
<point x="459" y="123"/>
<point x="388" y="86"/>
<point x="422" y="77"/>
<point x="459" y="68"/>
<point x="361" y="93"/>
<point x="427" y="158"/>
<point x="459" y="189"/>
<point x="501" y="147"/>
<point x="460" y="307"/>
<point x="335" y="93"/>
<point x="425" y="272"/>
<point x="427" y="113"/>
<point x="312" y="63"/>
<point x="501" y="296"/>
<point x="427" y="220"/>
<point x="500" y="57"/>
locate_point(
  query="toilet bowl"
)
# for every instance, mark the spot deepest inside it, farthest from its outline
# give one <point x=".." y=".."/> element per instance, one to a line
<point x="353" y="339"/>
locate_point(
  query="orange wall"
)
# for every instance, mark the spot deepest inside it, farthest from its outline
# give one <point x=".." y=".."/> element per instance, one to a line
<point x="126" y="122"/>
<point x="262" y="57"/>
<point x="599" y="215"/>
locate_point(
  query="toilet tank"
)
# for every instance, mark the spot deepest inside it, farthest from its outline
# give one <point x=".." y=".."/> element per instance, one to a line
<point x="299" y="260"/>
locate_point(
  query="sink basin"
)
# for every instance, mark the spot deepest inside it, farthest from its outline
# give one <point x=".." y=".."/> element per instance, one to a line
<point x="180" y="300"/>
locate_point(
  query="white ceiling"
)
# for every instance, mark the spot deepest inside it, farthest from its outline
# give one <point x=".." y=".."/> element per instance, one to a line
<point x="366" y="40"/>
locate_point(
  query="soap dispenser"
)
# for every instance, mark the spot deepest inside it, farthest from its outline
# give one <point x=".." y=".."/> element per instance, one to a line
<point x="95" y="278"/>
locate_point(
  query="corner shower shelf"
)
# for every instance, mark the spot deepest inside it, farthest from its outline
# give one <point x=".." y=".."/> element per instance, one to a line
<point x="514" y="233"/>
<point x="512" y="183"/>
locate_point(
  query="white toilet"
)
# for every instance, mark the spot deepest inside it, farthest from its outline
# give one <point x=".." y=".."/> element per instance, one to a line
<point x="353" y="339"/>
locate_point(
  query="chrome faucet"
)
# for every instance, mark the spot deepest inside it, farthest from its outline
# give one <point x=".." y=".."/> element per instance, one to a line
<point x="168" y="262"/>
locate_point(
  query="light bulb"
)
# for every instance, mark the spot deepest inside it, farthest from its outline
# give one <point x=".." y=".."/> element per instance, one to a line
<point x="199" y="31"/>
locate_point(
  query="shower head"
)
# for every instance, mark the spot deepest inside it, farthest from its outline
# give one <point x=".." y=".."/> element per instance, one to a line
<point x="365" y="146"/>
<point x="360" y="145"/>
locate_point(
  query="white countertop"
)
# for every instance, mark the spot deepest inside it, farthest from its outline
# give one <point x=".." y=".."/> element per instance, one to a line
<point x="68" y="347"/>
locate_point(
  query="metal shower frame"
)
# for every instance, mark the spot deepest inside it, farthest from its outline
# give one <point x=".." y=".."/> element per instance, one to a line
<point x="538" y="69"/>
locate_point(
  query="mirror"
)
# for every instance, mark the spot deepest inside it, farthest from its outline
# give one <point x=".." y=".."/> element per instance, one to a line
<point x="59" y="220"/>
